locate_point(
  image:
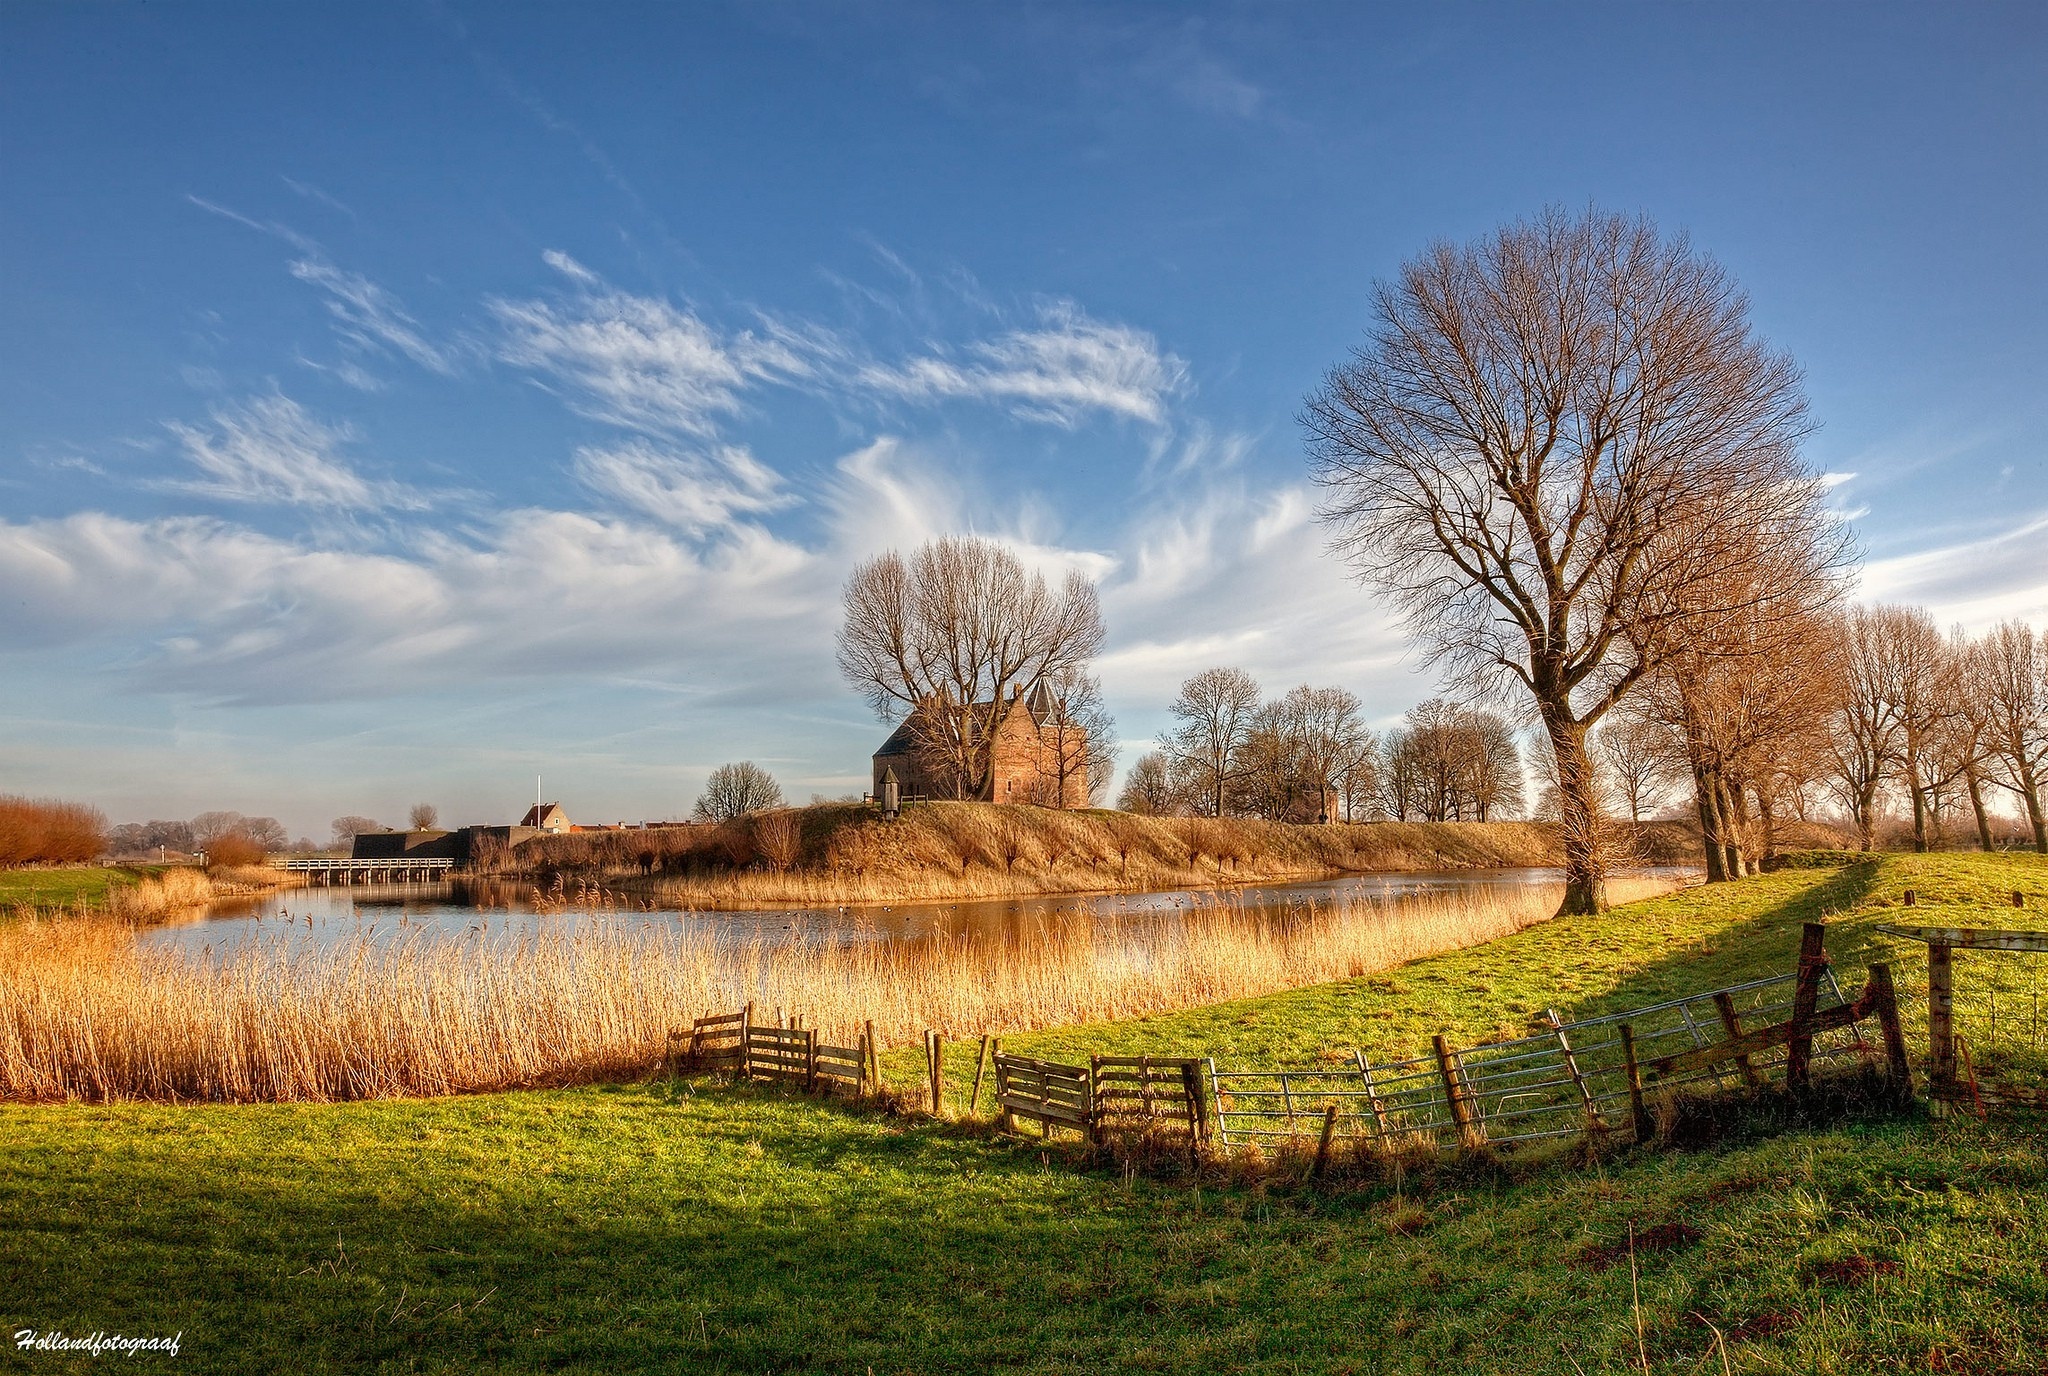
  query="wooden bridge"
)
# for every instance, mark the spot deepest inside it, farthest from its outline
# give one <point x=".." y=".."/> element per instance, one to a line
<point x="319" y="870"/>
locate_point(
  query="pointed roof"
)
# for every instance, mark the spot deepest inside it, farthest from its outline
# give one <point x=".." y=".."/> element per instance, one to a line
<point x="546" y="816"/>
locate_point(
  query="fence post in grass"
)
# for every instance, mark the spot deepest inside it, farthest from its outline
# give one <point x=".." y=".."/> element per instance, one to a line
<point x="1941" y="1006"/>
<point x="1198" y="1116"/>
<point x="747" y="1041"/>
<point x="1639" y="1111"/>
<point x="980" y="1060"/>
<point x="1323" y="1146"/>
<point x="810" y="1061"/>
<point x="1372" y="1094"/>
<point x="1805" y="996"/>
<point x="1571" y="1068"/>
<point x="874" y="1058"/>
<point x="932" y="1053"/>
<point x="1897" y="1067"/>
<point x="1731" y="1023"/>
<point x="1470" y="1132"/>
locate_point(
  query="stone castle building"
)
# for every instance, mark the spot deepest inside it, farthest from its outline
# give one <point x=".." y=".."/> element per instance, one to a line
<point x="1032" y="739"/>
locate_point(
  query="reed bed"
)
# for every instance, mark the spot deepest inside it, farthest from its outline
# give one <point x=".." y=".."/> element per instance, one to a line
<point x="87" y="1011"/>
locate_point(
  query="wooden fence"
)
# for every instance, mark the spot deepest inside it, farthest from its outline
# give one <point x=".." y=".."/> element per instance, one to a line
<point x="1592" y="1077"/>
<point x="1589" y="1077"/>
<point x="1951" y="1070"/>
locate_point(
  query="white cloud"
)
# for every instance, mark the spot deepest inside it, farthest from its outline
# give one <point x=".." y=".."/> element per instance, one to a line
<point x="1977" y="582"/>
<point x="695" y="492"/>
<point x="1071" y="365"/>
<point x="371" y="317"/>
<point x="636" y="361"/>
<point x="229" y="614"/>
<point x="269" y="449"/>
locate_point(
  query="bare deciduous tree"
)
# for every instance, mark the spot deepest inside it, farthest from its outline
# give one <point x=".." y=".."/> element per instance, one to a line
<point x="1148" y="789"/>
<point x="424" y="816"/>
<point x="346" y="829"/>
<point x="949" y="636"/>
<point x="1639" y="755"/>
<point x="2011" y="675"/>
<point x="1517" y="448"/>
<point x="1215" y="710"/>
<point x="1079" y="737"/>
<point x="735" y="790"/>
<point x="1866" y="722"/>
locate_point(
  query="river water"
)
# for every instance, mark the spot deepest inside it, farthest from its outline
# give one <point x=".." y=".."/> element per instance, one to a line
<point x="455" y="910"/>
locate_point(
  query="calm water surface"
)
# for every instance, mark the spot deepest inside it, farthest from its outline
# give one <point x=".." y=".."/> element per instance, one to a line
<point x="457" y="910"/>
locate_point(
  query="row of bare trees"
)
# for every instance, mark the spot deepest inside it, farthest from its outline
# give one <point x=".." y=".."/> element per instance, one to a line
<point x="204" y="832"/>
<point x="1858" y="708"/>
<point x="1308" y="756"/>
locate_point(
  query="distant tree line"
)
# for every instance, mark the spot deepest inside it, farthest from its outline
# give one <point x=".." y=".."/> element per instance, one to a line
<point x="1308" y="756"/>
<point x="208" y="832"/>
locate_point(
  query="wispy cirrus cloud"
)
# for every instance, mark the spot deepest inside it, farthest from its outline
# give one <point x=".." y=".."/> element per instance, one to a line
<point x="697" y="492"/>
<point x="640" y="362"/>
<point x="269" y="449"/>
<point x="1977" y="581"/>
<point x="370" y="317"/>
<point x="1067" y="367"/>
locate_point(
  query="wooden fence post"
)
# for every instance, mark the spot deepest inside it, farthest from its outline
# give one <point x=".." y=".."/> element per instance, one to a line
<point x="1639" y="1111"/>
<point x="1941" y="1010"/>
<point x="980" y="1060"/>
<point x="1897" y="1067"/>
<point x="1470" y="1132"/>
<point x="1198" y="1114"/>
<point x="1571" y="1068"/>
<point x="746" y="1041"/>
<point x="932" y="1054"/>
<point x="1805" y="996"/>
<point x="1372" y="1093"/>
<point x="810" y="1061"/>
<point x="874" y="1058"/>
<point x="1323" y="1146"/>
<point x="1732" y="1025"/>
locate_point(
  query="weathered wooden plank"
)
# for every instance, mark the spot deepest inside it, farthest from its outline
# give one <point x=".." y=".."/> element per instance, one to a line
<point x="1972" y="938"/>
<point x="1762" y="1039"/>
<point x="1732" y="1025"/>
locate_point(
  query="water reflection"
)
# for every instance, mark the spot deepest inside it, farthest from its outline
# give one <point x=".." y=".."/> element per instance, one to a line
<point x="465" y="909"/>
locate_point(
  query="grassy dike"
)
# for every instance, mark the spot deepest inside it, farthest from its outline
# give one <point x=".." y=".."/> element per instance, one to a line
<point x="695" y="1226"/>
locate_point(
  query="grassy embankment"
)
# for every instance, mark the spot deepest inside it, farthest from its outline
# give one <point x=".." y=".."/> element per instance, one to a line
<point x="141" y="893"/>
<point x="701" y="1227"/>
<point x="838" y="853"/>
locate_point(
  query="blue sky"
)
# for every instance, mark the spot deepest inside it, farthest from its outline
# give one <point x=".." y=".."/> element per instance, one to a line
<point x="397" y="401"/>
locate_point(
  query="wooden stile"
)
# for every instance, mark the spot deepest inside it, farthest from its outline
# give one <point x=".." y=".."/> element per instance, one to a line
<point x="1047" y="1093"/>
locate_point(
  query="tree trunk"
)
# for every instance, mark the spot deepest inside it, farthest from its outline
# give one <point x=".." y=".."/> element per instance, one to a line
<point x="1703" y="792"/>
<point x="1578" y="808"/>
<point x="1977" y="807"/>
<point x="1731" y="825"/>
<point x="2030" y="789"/>
<point x="1919" y="793"/>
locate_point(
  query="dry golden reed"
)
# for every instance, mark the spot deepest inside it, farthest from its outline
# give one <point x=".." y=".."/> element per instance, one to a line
<point x="88" y="1011"/>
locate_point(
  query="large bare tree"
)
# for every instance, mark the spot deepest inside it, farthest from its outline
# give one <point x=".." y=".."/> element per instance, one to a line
<point x="949" y="637"/>
<point x="1513" y="455"/>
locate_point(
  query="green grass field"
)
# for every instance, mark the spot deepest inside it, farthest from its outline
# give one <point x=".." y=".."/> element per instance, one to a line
<point x="696" y="1226"/>
<point x="64" y="888"/>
